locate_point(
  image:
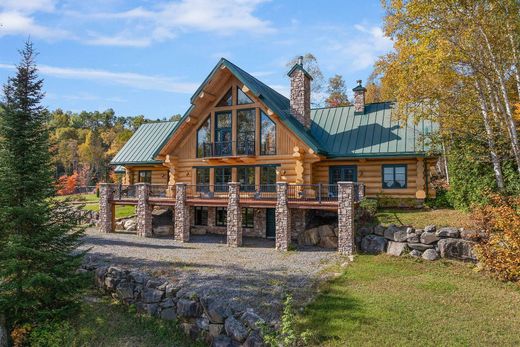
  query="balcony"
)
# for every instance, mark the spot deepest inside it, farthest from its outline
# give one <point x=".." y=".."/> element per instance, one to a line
<point x="225" y="148"/>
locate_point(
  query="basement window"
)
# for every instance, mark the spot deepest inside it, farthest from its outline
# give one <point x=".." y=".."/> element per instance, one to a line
<point x="394" y="176"/>
<point x="221" y="216"/>
<point x="247" y="217"/>
<point x="201" y="215"/>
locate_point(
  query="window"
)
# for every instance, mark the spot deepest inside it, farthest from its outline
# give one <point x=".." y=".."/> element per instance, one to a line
<point x="246" y="120"/>
<point x="268" y="178"/>
<point x="227" y="99"/>
<point x="221" y="216"/>
<point x="267" y="135"/>
<point x="394" y="176"/>
<point x="247" y="217"/>
<point x="347" y="173"/>
<point x="145" y="176"/>
<point x="246" y="177"/>
<point x="203" y="180"/>
<point x="242" y="98"/>
<point x="204" y="139"/>
<point x="201" y="215"/>
<point x="222" y="178"/>
<point x="223" y="131"/>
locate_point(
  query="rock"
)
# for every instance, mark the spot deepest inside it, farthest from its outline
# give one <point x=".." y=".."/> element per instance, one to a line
<point x="236" y="330"/>
<point x="472" y="235"/>
<point x="151" y="295"/>
<point x="188" y="308"/>
<point x="130" y="225"/>
<point x="410" y="230"/>
<point x="430" y="229"/>
<point x="415" y="253"/>
<point x="169" y="313"/>
<point x="448" y="232"/>
<point x="215" y="329"/>
<point x="252" y="320"/>
<point x="390" y="231"/>
<point x="430" y="254"/>
<point x="254" y="340"/>
<point x="328" y="242"/>
<point x="138" y="277"/>
<point x="192" y="330"/>
<point x="163" y="230"/>
<point x="171" y="289"/>
<point x="363" y="231"/>
<point x="396" y="248"/>
<point x="419" y="246"/>
<point x="151" y="309"/>
<point x="326" y="231"/>
<point x="413" y="237"/>
<point x="456" y="249"/>
<point x="168" y="303"/>
<point x="216" y="312"/>
<point x="373" y="244"/>
<point x="100" y="275"/>
<point x="400" y="236"/>
<point x="120" y="225"/>
<point x="111" y="283"/>
<point x="311" y="237"/>
<point x="379" y="230"/>
<point x="429" y="237"/>
<point x="419" y="231"/>
<point x="125" y="291"/>
<point x="156" y="284"/>
<point x="336" y="231"/>
<point x="221" y="341"/>
<point x="202" y="323"/>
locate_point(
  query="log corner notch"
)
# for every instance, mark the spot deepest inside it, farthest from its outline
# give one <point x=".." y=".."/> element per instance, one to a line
<point x="420" y="180"/>
<point x="299" y="156"/>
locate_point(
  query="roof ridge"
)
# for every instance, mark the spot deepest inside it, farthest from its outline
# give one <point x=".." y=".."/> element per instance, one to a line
<point x="369" y="103"/>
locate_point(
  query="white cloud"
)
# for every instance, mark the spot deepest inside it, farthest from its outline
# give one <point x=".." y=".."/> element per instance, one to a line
<point x="134" y="80"/>
<point x="18" y="23"/>
<point x="28" y="6"/>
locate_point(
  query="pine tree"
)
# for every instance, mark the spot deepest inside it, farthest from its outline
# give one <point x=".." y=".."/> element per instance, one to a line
<point x="38" y="236"/>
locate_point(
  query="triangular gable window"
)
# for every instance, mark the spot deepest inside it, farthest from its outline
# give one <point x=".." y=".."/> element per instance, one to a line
<point x="227" y="100"/>
<point x="242" y="98"/>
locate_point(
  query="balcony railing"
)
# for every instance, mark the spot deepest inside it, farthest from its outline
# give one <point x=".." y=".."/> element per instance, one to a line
<point x="225" y="149"/>
<point x="121" y="191"/>
<point x="258" y="192"/>
<point x="207" y="191"/>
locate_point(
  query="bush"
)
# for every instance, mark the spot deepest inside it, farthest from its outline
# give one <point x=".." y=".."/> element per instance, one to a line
<point x="367" y="210"/>
<point x="441" y="200"/>
<point x="499" y="251"/>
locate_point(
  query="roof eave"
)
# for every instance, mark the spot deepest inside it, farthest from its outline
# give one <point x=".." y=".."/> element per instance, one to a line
<point x="380" y="155"/>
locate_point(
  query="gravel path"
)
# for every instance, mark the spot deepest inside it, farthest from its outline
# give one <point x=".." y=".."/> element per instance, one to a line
<point x="254" y="275"/>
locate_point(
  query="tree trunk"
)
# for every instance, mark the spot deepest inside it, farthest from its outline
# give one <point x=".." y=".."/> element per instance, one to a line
<point x="490" y="138"/>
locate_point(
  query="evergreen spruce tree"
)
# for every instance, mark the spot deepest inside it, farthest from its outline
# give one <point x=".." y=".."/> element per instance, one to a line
<point x="38" y="235"/>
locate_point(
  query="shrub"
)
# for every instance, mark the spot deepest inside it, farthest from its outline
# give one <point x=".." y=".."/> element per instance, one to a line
<point x="367" y="211"/>
<point x="67" y="184"/>
<point x="441" y="200"/>
<point x="499" y="251"/>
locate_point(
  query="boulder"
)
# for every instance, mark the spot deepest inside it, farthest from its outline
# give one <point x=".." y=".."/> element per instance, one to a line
<point x="326" y="231"/>
<point x="120" y="225"/>
<point x="151" y="309"/>
<point x="363" y="231"/>
<point x="254" y="340"/>
<point x="130" y="225"/>
<point x="111" y="283"/>
<point x="163" y="230"/>
<point x="221" y="341"/>
<point x="188" y="308"/>
<point x="430" y="229"/>
<point x="456" y="249"/>
<point x="390" y="231"/>
<point x="311" y="237"/>
<point x="151" y="295"/>
<point x="252" y="320"/>
<point x="169" y="313"/>
<point x="448" y="232"/>
<point x="430" y="254"/>
<point x="429" y="237"/>
<point x="415" y="253"/>
<point x="379" y="230"/>
<point x="125" y="291"/>
<point x="328" y="242"/>
<point x="216" y="311"/>
<point x="236" y="330"/>
<point x="202" y="323"/>
<point x="400" y="235"/>
<point x="215" y="329"/>
<point x="373" y="244"/>
<point x="190" y="329"/>
<point x="138" y="277"/>
<point x="419" y="231"/>
<point x="472" y="235"/>
<point x="336" y="231"/>
<point x="413" y="237"/>
<point x="168" y="303"/>
<point x="396" y="248"/>
<point x="419" y="246"/>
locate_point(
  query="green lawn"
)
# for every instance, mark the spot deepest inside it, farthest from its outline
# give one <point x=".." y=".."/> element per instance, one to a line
<point x="422" y="218"/>
<point x="122" y="211"/>
<point x="386" y="301"/>
<point x="104" y="322"/>
<point x="80" y="197"/>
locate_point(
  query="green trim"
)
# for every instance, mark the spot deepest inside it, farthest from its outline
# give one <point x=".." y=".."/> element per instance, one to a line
<point x="299" y="67"/>
<point x="394" y="166"/>
<point x="232" y="166"/>
<point x="343" y="167"/>
<point x="137" y="163"/>
<point x="379" y="155"/>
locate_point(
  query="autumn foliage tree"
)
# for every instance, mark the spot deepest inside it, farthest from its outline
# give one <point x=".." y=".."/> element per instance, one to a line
<point x="337" y="92"/>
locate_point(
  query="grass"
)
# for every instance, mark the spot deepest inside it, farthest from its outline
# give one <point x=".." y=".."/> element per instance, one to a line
<point x="80" y="197"/>
<point x="387" y="301"/>
<point x="104" y="322"/>
<point x="424" y="217"/>
<point x="122" y="211"/>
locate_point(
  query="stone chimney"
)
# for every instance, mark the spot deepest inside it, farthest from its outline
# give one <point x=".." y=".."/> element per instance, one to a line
<point x="359" y="97"/>
<point x="300" y="93"/>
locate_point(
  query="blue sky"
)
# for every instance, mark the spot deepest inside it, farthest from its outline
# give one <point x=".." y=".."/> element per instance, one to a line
<point x="148" y="57"/>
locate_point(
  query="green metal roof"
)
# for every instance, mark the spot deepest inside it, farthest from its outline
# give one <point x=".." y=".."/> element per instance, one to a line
<point x="299" y="67"/>
<point x="143" y="144"/>
<point x="345" y="133"/>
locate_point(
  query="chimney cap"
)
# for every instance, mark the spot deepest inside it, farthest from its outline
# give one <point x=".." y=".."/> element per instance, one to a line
<point x="359" y="87"/>
<point x="299" y="66"/>
<point x="300" y="60"/>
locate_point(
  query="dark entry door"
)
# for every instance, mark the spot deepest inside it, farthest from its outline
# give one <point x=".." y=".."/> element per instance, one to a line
<point x="344" y="173"/>
<point x="270" y="223"/>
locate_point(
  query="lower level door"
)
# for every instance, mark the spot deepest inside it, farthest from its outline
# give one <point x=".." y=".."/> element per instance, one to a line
<point x="270" y="223"/>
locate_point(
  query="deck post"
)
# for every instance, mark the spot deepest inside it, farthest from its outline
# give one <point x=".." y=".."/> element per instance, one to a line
<point x="182" y="220"/>
<point x="283" y="222"/>
<point x="106" y="208"/>
<point x="346" y="218"/>
<point x="234" y="216"/>
<point x="144" y="210"/>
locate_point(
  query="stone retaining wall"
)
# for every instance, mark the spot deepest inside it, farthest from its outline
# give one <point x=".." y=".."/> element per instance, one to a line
<point x="205" y="318"/>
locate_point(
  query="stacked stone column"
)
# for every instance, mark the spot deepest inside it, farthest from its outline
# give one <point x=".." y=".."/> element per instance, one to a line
<point x="361" y="191"/>
<point x="106" y="208"/>
<point x="182" y="215"/>
<point x="144" y="210"/>
<point x="283" y="222"/>
<point x="346" y="196"/>
<point x="234" y="216"/>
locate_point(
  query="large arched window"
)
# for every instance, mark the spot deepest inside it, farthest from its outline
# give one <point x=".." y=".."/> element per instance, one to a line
<point x="267" y="135"/>
<point x="204" y="139"/>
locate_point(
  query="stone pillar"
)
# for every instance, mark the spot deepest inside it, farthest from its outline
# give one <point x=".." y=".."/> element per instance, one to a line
<point x="283" y="222"/>
<point x="182" y="214"/>
<point x="144" y="210"/>
<point x="106" y="208"/>
<point x="234" y="216"/>
<point x="346" y="218"/>
<point x="360" y="191"/>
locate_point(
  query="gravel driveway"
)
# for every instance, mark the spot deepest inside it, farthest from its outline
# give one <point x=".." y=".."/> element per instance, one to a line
<point x="254" y="275"/>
